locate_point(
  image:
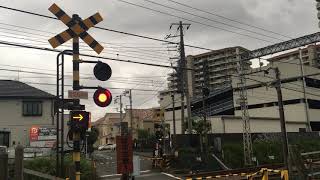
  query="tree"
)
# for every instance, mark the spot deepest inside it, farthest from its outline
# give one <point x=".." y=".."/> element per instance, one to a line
<point x="202" y="128"/>
<point x="143" y="134"/>
<point x="92" y="138"/>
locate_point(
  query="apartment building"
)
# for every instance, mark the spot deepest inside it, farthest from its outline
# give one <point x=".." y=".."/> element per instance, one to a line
<point x="310" y="56"/>
<point x="222" y="64"/>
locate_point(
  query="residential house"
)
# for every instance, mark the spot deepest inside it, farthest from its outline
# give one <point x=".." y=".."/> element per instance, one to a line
<point x="23" y="107"/>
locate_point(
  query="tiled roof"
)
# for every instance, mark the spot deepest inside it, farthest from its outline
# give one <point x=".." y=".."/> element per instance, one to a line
<point x="16" y="89"/>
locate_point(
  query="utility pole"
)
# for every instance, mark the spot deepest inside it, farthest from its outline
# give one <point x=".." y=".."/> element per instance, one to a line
<point x="205" y="94"/>
<point x="120" y="98"/>
<point x="131" y="113"/>
<point x="125" y="93"/>
<point x="306" y="105"/>
<point x="282" y="119"/>
<point x="183" y="73"/>
<point x="173" y="113"/>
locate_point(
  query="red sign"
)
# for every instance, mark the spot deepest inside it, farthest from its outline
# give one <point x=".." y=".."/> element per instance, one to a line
<point x="124" y="154"/>
<point x="34" y="133"/>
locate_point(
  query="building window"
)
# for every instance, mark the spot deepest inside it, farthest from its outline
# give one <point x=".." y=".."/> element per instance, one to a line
<point x="32" y="108"/>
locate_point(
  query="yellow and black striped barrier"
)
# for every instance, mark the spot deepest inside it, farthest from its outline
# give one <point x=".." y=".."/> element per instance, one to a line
<point x="264" y="172"/>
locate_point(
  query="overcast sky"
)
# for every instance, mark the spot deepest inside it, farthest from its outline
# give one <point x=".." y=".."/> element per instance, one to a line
<point x="287" y="18"/>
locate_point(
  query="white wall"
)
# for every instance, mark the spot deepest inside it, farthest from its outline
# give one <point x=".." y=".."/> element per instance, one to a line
<point x="19" y="125"/>
<point x="234" y="125"/>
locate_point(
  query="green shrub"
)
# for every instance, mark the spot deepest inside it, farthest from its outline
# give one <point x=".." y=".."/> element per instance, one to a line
<point x="48" y="165"/>
<point x="233" y="155"/>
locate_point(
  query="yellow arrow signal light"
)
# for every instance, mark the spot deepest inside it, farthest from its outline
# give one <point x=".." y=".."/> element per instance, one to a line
<point x="80" y="117"/>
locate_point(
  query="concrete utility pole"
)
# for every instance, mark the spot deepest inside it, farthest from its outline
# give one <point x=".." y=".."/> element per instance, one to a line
<point x="306" y="105"/>
<point x="282" y="119"/>
<point x="120" y="98"/>
<point x="131" y="113"/>
<point x="173" y="113"/>
<point x="184" y="81"/>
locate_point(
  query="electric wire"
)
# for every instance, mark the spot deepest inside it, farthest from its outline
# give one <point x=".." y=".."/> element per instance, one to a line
<point x="212" y="20"/>
<point x="196" y="22"/>
<point x="229" y="19"/>
<point x="86" y="55"/>
<point x="102" y="28"/>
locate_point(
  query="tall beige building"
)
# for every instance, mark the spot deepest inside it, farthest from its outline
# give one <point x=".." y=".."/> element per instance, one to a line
<point x="222" y="64"/>
<point x="310" y="56"/>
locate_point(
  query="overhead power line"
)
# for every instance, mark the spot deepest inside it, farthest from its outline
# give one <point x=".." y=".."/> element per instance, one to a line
<point x="193" y="21"/>
<point x="146" y="56"/>
<point x="106" y="29"/>
<point x="212" y="20"/>
<point x="85" y="55"/>
<point x="229" y="19"/>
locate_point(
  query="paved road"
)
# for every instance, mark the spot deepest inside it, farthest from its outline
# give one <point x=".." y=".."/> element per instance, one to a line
<point x="146" y="176"/>
<point x="106" y="162"/>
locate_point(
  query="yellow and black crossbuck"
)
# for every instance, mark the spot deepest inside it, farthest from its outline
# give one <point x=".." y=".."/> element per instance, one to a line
<point x="75" y="29"/>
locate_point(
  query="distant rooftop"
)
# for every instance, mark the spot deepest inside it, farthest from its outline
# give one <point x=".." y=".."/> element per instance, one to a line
<point x="10" y="89"/>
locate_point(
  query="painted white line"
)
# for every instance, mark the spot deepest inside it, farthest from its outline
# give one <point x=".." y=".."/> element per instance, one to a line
<point x="170" y="175"/>
<point x="111" y="175"/>
<point x="146" y="171"/>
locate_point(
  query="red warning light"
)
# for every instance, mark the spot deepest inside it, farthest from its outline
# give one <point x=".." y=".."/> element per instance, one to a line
<point x="102" y="97"/>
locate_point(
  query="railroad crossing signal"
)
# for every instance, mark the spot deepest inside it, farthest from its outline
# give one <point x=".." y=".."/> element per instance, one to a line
<point x="79" y="120"/>
<point x="75" y="29"/>
<point x="102" y="97"/>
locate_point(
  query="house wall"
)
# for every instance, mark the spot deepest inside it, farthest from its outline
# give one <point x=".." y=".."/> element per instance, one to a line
<point x="19" y="125"/>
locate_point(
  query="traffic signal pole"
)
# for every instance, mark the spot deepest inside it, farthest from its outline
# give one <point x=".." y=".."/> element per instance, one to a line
<point x="76" y="86"/>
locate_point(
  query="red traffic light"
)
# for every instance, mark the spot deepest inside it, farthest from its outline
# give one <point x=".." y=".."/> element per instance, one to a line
<point x="102" y="97"/>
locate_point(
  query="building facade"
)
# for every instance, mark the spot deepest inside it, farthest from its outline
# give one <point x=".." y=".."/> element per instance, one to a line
<point x="108" y="128"/>
<point x="220" y="65"/>
<point x="143" y="119"/>
<point x="301" y="105"/>
<point x="23" y="107"/>
<point x="310" y="56"/>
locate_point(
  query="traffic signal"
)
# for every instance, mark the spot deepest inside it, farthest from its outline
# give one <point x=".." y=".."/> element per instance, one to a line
<point x="102" y="71"/>
<point x="158" y="131"/>
<point x="79" y="120"/>
<point x="102" y="97"/>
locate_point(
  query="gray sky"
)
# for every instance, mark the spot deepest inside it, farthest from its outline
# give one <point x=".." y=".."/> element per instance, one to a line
<point x="292" y="18"/>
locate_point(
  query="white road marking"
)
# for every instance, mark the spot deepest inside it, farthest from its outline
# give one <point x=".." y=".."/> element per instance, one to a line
<point x="111" y="175"/>
<point x="170" y="175"/>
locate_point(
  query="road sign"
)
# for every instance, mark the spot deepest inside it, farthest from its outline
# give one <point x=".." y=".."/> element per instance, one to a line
<point x="80" y="120"/>
<point x="73" y="94"/>
<point x="75" y="29"/>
